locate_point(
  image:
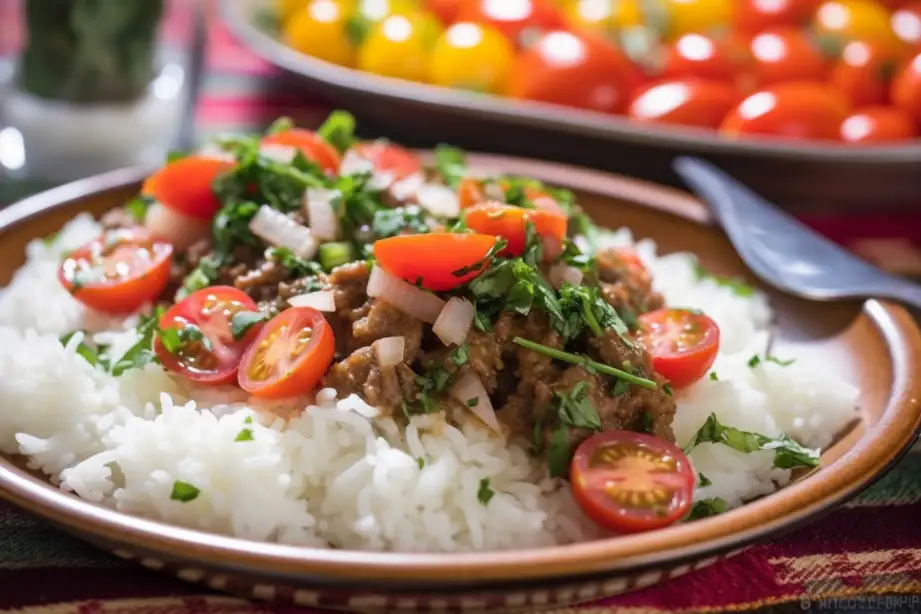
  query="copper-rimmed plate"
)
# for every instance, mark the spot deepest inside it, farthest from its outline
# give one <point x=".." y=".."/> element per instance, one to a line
<point x="875" y="345"/>
<point x="816" y="177"/>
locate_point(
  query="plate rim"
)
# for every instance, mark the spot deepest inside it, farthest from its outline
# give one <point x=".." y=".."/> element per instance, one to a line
<point x="524" y="113"/>
<point x="794" y="505"/>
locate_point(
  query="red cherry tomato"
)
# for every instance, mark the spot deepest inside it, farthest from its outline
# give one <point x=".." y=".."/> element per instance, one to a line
<point x="432" y="259"/>
<point x="520" y="20"/>
<point x="878" y="125"/>
<point x="510" y="223"/>
<point x="573" y="70"/>
<point x="311" y="145"/>
<point x="865" y="71"/>
<point x="683" y="344"/>
<point x="197" y="337"/>
<point x="689" y="102"/>
<point x="787" y="54"/>
<point x="184" y="185"/>
<point x="118" y="272"/>
<point x="906" y="25"/>
<point x="631" y="482"/>
<point x="793" y="110"/>
<point x="756" y="15"/>
<point x="906" y="89"/>
<point x="701" y="56"/>
<point x="389" y="158"/>
<point x="289" y="356"/>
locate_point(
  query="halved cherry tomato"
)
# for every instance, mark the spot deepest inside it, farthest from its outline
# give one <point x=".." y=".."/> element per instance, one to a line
<point x="906" y="89"/>
<point x="631" y="482"/>
<point x="470" y="192"/>
<point x="573" y="70"/>
<point x="184" y="185"/>
<point x="510" y="223"/>
<point x="756" y="15"/>
<point x="701" y="56"/>
<point x="865" y="71"/>
<point x="311" y="145"/>
<point x="432" y="259"/>
<point x="795" y="110"/>
<point x="787" y="54"/>
<point x="878" y="125"/>
<point x="518" y="20"/>
<point x="690" y="102"/>
<point x="118" y="272"/>
<point x="289" y="356"/>
<point x="683" y="344"/>
<point x="389" y="158"/>
<point x="201" y="344"/>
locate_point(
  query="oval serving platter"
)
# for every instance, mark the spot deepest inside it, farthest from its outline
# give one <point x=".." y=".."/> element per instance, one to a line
<point x="816" y="178"/>
<point x="876" y="345"/>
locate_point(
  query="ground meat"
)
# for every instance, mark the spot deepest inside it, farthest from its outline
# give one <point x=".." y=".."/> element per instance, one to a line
<point x="626" y="287"/>
<point x="385" y="320"/>
<point x="386" y="388"/>
<point x="349" y="284"/>
<point x="485" y="358"/>
<point x="261" y="282"/>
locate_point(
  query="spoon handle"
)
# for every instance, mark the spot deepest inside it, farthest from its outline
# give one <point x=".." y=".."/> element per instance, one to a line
<point x="906" y="292"/>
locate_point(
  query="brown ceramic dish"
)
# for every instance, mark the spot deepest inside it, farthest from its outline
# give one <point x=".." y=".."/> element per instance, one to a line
<point x="876" y="345"/>
<point x="815" y="178"/>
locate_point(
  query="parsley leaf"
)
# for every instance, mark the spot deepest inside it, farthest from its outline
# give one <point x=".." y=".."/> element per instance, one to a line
<point x="338" y="130"/>
<point x="787" y="453"/>
<point x="708" y="507"/>
<point x="451" y="164"/>
<point x="391" y="222"/>
<point x="703" y="480"/>
<point x="485" y="493"/>
<point x="141" y="353"/>
<point x="88" y="353"/>
<point x="576" y="409"/>
<point x="245" y="435"/>
<point x="558" y="455"/>
<point x="206" y="273"/>
<point x="184" y="492"/>
<point x="242" y="321"/>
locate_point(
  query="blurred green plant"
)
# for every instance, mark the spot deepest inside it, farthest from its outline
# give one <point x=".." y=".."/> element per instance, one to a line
<point x="89" y="51"/>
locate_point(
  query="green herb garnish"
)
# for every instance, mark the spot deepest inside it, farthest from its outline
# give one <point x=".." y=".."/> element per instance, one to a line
<point x="592" y="366"/>
<point x="787" y="453"/>
<point x="244" y="435"/>
<point x="451" y="164"/>
<point x="183" y="491"/>
<point x="485" y="493"/>
<point x="576" y="409"/>
<point x="242" y="321"/>
<point x="338" y="130"/>
<point x="708" y="507"/>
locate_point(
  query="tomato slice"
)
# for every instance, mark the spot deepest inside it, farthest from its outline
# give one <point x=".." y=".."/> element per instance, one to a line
<point x="311" y="145"/>
<point x="470" y="192"/>
<point x="197" y="338"/>
<point x="389" y="158"/>
<point x="184" y="185"/>
<point x="683" y="343"/>
<point x="631" y="482"/>
<point x="510" y="223"/>
<point x="119" y="271"/>
<point x="431" y="260"/>
<point x="290" y="355"/>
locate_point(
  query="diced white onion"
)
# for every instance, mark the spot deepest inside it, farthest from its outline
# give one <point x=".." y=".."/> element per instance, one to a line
<point x="560" y="273"/>
<point x="279" y="153"/>
<point x="323" y="300"/>
<point x="321" y="216"/>
<point x="174" y="227"/>
<point x="469" y="390"/>
<point x="407" y="188"/>
<point x="404" y="296"/>
<point x="438" y="200"/>
<point x="281" y="231"/>
<point x="553" y="247"/>
<point x="454" y="321"/>
<point x="389" y="351"/>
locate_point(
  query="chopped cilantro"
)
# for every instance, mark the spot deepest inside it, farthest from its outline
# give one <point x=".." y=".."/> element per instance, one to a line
<point x="242" y="321"/>
<point x="245" y="435"/>
<point x="89" y="354"/>
<point x="713" y="376"/>
<point x="460" y="355"/>
<point x="141" y="353"/>
<point x="184" y="492"/>
<point x="576" y="409"/>
<point x="585" y="362"/>
<point x="485" y="493"/>
<point x="451" y="164"/>
<point x="667" y="389"/>
<point x="708" y="507"/>
<point x="338" y="130"/>
<point x="619" y="388"/>
<point x="780" y="361"/>
<point x="248" y="420"/>
<point x="738" y="287"/>
<point x="297" y="267"/>
<point x="787" y="453"/>
<point x="172" y="156"/>
<point x="497" y="247"/>
<point x="703" y="480"/>
<point x="558" y="455"/>
<point x="420" y="461"/>
<point x="138" y="206"/>
<point x="282" y="124"/>
<point x="473" y="402"/>
<point x="391" y="222"/>
<point x="647" y="421"/>
<point x="754" y="361"/>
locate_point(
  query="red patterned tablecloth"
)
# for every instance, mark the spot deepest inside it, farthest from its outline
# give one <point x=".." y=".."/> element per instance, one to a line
<point x="864" y="557"/>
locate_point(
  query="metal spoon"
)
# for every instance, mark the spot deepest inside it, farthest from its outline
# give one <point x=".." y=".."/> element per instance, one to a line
<point x="783" y="252"/>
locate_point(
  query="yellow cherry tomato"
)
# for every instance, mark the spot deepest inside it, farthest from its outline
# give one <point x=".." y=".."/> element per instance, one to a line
<point x="682" y="17"/>
<point x="398" y="46"/>
<point x="287" y="8"/>
<point x="320" y="29"/>
<point x="847" y="20"/>
<point x="471" y="56"/>
<point x="375" y="11"/>
<point x="605" y="14"/>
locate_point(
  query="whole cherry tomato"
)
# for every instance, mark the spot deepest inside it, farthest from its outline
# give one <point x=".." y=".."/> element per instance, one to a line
<point x="445" y="10"/>
<point x="865" y="71"/>
<point x="787" y="54"/>
<point x="841" y="21"/>
<point x="604" y="14"/>
<point x="700" y="16"/>
<point x="471" y="56"/>
<point x="398" y="46"/>
<point x="880" y="124"/>
<point x="699" y="55"/>
<point x="906" y="25"/>
<point x="521" y="21"/>
<point x="906" y="89"/>
<point x="319" y="30"/>
<point x="756" y="15"/>
<point x="575" y="70"/>
<point x="792" y="110"/>
<point x="691" y="102"/>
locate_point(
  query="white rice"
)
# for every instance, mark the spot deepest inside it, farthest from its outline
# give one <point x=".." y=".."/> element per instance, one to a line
<point x="338" y="475"/>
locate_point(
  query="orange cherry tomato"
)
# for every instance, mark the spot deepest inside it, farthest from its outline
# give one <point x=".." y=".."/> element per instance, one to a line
<point x="793" y="110"/>
<point x="906" y="25"/>
<point x="196" y="337"/>
<point x="431" y="260"/>
<point x="573" y="70"/>
<point x="184" y="185"/>
<point x="698" y="55"/>
<point x="289" y="356"/>
<point x="865" y="71"/>
<point x="787" y="54"/>
<point x="446" y="10"/>
<point x="879" y="124"/>
<point x="631" y="482"/>
<point x="119" y="271"/>
<point x="683" y="344"/>
<point x="510" y="223"/>
<point x="840" y="21"/>
<point x="311" y="145"/>
<point x="756" y="15"/>
<point x="389" y="158"/>
<point x="906" y="89"/>
<point x="690" y="102"/>
<point x="470" y="192"/>
<point x="519" y="20"/>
